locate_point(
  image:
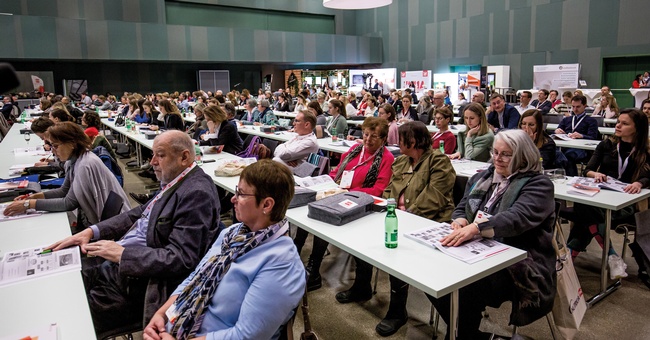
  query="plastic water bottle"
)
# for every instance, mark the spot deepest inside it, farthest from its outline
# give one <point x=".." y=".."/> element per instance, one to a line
<point x="334" y="135"/>
<point x="442" y="147"/>
<point x="128" y="124"/>
<point x="23" y="117"/>
<point x="391" y="225"/>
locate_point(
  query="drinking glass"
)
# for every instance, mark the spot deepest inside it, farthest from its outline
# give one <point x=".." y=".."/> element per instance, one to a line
<point x="27" y="136"/>
<point x="559" y="176"/>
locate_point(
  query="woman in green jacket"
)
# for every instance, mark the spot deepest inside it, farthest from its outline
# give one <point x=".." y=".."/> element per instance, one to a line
<point x="475" y="143"/>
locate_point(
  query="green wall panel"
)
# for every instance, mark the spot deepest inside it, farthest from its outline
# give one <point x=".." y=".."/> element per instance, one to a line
<point x="323" y="48"/>
<point x="149" y="11"/>
<point x="294" y="47"/>
<point x="243" y="43"/>
<point x="442" y="11"/>
<point x="113" y="10"/>
<point x="479" y="27"/>
<point x="154" y="42"/>
<point x="603" y="23"/>
<point x="382" y="21"/>
<point x="492" y="6"/>
<point x="122" y="41"/>
<point x="418" y="36"/>
<point x="501" y="32"/>
<point x="39" y="37"/>
<point x="403" y="43"/>
<point x="274" y="52"/>
<point x="9" y="45"/>
<point x="426" y="9"/>
<point x="548" y="27"/>
<point x="41" y="7"/>
<point x="219" y="43"/>
<point x="521" y="30"/>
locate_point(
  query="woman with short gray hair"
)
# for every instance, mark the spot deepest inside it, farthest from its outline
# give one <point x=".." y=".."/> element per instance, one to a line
<point x="516" y="200"/>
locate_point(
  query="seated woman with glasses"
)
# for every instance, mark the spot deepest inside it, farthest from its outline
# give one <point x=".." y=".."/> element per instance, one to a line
<point x="251" y="279"/>
<point x="507" y="191"/>
<point x="443" y="117"/>
<point x="475" y="142"/>
<point x="422" y="183"/>
<point x="367" y="169"/>
<point x="88" y="182"/>
<point x="531" y="122"/>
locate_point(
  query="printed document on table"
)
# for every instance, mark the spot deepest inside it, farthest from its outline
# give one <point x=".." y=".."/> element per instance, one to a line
<point x="561" y="136"/>
<point x="27" y="264"/>
<point x="611" y="184"/>
<point x="32" y="151"/>
<point x="471" y="251"/>
<point x="318" y="183"/>
<point x="43" y="333"/>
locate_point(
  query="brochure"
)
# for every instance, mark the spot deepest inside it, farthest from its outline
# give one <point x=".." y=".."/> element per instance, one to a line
<point x="29" y="213"/>
<point x="471" y="251"/>
<point x="561" y="136"/>
<point x="27" y="264"/>
<point x="318" y="183"/>
<point x="611" y="184"/>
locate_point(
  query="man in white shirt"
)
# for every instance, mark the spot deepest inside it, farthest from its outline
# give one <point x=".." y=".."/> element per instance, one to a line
<point x="294" y="152"/>
<point x="524" y="102"/>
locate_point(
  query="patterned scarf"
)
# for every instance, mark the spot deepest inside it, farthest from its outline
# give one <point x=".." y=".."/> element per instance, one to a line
<point x="193" y="301"/>
<point x="373" y="172"/>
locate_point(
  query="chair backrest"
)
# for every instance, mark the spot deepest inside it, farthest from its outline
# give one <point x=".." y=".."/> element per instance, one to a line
<point x="322" y="164"/>
<point x="110" y="163"/>
<point x="600" y="120"/>
<point x="552" y="119"/>
<point x="112" y="206"/>
<point x="271" y="144"/>
<point x="247" y="141"/>
<point x="424" y="118"/>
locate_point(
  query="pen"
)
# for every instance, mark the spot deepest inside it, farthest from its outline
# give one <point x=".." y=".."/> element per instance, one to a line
<point x="209" y="160"/>
<point x="46" y="251"/>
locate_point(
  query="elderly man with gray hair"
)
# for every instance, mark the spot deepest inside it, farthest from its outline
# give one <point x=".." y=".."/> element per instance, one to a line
<point x="160" y="242"/>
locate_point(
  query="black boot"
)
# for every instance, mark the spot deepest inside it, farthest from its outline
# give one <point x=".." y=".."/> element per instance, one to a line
<point x="314" y="280"/>
<point x="396" y="316"/>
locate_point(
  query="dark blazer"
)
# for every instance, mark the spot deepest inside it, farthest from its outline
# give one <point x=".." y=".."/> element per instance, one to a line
<point x="544" y="108"/>
<point x="510" y="118"/>
<point x="228" y="137"/>
<point x="547" y="151"/>
<point x="588" y="128"/>
<point x="182" y="226"/>
<point x="413" y="113"/>
<point x="174" y="122"/>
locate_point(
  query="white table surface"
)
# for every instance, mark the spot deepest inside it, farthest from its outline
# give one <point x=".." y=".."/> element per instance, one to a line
<point x="639" y="95"/>
<point x="584" y="144"/>
<point x="37" y="303"/>
<point x="602" y="129"/>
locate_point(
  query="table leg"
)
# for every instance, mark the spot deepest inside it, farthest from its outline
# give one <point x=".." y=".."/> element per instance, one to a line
<point x="453" y="315"/>
<point x="604" y="289"/>
<point x="138" y="153"/>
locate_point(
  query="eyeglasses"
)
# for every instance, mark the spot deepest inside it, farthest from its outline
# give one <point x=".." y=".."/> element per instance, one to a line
<point x="55" y="145"/>
<point x="503" y="155"/>
<point x="439" y="118"/>
<point x="369" y="136"/>
<point x="239" y="194"/>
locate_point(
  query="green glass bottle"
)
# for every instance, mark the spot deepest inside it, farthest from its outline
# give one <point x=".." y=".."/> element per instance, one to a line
<point x="442" y="147"/>
<point x="391" y="224"/>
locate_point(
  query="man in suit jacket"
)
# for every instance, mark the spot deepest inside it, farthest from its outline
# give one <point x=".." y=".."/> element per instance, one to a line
<point x="158" y="244"/>
<point x="501" y="116"/>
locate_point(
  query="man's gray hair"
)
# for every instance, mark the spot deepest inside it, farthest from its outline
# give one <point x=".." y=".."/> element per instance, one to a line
<point x="264" y="103"/>
<point x="252" y="102"/>
<point x="525" y="155"/>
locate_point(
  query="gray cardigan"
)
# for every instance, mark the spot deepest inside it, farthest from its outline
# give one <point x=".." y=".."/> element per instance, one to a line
<point x="88" y="182"/>
<point x="476" y="148"/>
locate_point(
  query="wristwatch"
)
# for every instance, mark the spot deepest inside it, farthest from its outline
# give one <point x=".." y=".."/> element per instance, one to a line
<point x="26" y="204"/>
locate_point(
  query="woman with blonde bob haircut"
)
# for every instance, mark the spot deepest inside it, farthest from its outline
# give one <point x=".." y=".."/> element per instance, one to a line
<point x="506" y="191"/>
<point x="220" y="132"/>
<point x="475" y="142"/>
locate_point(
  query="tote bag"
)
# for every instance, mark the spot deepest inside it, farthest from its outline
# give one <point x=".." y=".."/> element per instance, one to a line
<point x="570" y="305"/>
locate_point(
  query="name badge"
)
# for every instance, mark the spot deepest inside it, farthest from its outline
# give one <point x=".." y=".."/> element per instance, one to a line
<point x="172" y="313"/>
<point x="481" y="216"/>
<point x="346" y="179"/>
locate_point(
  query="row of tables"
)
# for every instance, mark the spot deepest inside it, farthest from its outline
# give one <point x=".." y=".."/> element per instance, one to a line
<point x="36" y="304"/>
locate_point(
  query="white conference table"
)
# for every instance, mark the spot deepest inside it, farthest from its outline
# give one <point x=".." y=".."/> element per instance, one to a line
<point x="639" y="95"/>
<point x="139" y="138"/>
<point x="35" y="304"/>
<point x="422" y="267"/>
<point x="584" y="144"/>
<point x="602" y="129"/>
<point x="610" y="201"/>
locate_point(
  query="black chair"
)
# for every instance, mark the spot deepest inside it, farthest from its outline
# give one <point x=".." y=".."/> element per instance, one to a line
<point x="124" y="331"/>
<point x="552" y="119"/>
<point x="247" y="141"/>
<point x="271" y="144"/>
<point x="600" y="120"/>
<point x="112" y="206"/>
<point x="424" y="118"/>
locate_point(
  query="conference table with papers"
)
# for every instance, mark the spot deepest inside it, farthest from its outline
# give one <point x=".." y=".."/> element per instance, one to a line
<point x="31" y="305"/>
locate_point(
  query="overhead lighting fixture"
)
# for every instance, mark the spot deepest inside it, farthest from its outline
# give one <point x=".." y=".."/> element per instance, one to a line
<point x="356" y="4"/>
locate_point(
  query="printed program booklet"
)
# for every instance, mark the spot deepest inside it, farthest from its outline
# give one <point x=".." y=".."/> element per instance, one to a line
<point x="26" y="264"/>
<point x="471" y="251"/>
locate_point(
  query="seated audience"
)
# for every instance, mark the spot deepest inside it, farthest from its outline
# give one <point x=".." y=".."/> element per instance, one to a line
<point x="200" y="125"/>
<point x="169" y="118"/>
<point x="542" y="103"/>
<point x="638" y="81"/>
<point x="507" y="191"/>
<point x="371" y="107"/>
<point x="251" y="115"/>
<point x="553" y="98"/>
<point x="407" y="113"/>
<point x="88" y="182"/>
<point x="524" y="102"/>
<point x="577" y="126"/>
<point x="461" y="100"/>
<point x="338" y="123"/>
<point x="502" y="115"/>
<point x="422" y="183"/>
<point x="563" y="108"/>
<point x="607" y="107"/>
<point x="442" y="118"/>
<point x="387" y="112"/>
<point x="301" y="104"/>
<point x="59" y="115"/>
<point x="160" y="242"/>
<point x="624" y="157"/>
<point x="475" y="142"/>
<point x="645" y="107"/>
<point x="92" y="122"/>
<point x="296" y="150"/>
<point x="321" y="117"/>
<point x="368" y="170"/>
<point x="142" y="114"/>
<point x="266" y="117"/>
<point x="220" y="132"/>
<point x="251" y="279"/>
<point x="532" y="123"/>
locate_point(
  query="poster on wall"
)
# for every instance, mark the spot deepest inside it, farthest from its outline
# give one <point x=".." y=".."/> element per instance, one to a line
<point x="474" y="78"/>
<point x="420" y="80"/>
<point x="381" y="79"/>
<point x="556" y="76"/>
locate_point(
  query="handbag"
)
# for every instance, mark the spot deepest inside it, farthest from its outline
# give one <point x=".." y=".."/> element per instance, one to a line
<point x="308" y="334"/>
<point x="570" y="306"/>
<point x="256" y="149"/>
